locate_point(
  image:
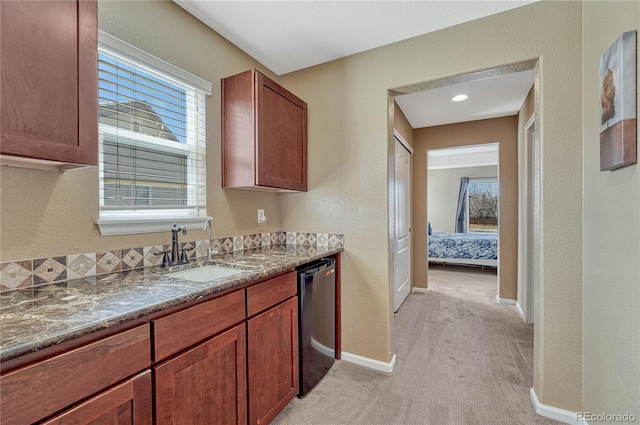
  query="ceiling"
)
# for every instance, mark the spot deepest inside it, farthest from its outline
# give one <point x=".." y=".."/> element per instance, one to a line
<point x="493" y="97"/>
<point x="287" y="36"/>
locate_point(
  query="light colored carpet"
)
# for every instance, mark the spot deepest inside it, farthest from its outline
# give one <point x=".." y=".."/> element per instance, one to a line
<point x="462" y="359"/>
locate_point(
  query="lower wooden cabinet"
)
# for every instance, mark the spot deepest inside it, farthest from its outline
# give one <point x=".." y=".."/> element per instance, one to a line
<point x="232" y="360"/>
<point x="206" y="384"/>
<point x="272" y="365"/>
<point x="37" y="391"/>
<point x="126" y="404"/>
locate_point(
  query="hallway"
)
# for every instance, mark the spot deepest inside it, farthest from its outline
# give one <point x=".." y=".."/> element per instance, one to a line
<point x="462" y="359"/>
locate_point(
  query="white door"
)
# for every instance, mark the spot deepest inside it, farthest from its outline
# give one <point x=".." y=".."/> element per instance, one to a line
<point x="402" y="243"/>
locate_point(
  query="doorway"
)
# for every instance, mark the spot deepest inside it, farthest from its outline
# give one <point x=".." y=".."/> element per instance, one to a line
<point x="463" y="195"/>
<point x="480" y="123"/>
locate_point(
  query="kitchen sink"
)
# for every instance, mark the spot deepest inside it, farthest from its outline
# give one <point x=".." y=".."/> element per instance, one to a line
<point x="205" y="273"/>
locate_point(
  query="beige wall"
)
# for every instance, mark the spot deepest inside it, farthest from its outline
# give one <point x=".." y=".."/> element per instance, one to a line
<point x="501" y="130"/>
<point x="402" y="124"/>
<point x="611" y="268"/>
<point x="348" y="171"/>
<point x="442" y="192"/>
<point x="50" y="213"/>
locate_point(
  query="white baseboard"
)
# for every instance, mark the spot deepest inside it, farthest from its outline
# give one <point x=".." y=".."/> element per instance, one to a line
<point x="421" y="290"/>
<point x="505" y="300"/>
<point x="520" y="311"/>
<point x="370" y="363"/>
<point x="551" y="412"/>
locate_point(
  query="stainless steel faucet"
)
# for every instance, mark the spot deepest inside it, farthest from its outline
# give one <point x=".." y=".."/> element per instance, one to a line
<point x="207" y="225"/>
<point x="175" y="256"/>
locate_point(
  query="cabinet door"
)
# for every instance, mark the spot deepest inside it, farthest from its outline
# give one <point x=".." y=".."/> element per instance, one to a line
<point x="126" y="404"/>
<point x="49" y="80"/>
<point x="205" y="385"/>
<point x="281" y="148"/>
<point x="272" y="350"/>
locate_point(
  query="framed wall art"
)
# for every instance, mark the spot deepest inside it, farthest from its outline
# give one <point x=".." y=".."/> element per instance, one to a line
<point x="618" y="104"/>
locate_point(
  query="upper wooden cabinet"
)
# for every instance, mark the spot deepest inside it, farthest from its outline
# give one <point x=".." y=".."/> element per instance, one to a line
<point x="49" y="73"/>
<point x="264" y="135"/>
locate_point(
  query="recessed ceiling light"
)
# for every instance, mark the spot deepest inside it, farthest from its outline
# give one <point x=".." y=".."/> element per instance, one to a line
<point x="459" y="98"/>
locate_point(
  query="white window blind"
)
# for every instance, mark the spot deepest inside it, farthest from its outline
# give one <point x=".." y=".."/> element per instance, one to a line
<point x="152" y="135"/>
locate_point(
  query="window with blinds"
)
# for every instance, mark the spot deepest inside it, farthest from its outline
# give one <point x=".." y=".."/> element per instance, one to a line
<point x="152" y="135"/>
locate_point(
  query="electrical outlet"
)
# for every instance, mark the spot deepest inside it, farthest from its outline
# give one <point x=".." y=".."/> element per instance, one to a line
<point x="262" y="220"/>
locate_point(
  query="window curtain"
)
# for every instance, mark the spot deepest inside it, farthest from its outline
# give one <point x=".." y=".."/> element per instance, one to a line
<point x="461" y="211"/>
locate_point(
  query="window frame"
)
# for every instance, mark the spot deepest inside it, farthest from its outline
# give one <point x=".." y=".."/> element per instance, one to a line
<point x="474" y="180"/>
<point x="149" y="220"/>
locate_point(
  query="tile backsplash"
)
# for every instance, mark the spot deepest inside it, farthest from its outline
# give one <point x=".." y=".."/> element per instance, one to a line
<point x="25" y="273"/>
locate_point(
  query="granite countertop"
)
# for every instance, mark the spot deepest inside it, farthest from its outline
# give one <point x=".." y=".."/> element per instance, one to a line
<point x="41" y="316"/>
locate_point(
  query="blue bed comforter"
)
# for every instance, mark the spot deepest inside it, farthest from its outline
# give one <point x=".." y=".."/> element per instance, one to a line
<point x="463" y="245"/>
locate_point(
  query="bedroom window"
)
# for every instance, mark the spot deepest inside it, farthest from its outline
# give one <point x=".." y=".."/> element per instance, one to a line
<point x="152" y="160"/>
<point x="483" y="205"/>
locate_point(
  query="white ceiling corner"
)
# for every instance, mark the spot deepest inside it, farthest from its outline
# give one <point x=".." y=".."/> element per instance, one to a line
<point x="286" y="36"/>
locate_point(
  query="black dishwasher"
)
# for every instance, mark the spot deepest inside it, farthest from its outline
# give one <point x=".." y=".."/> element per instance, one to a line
<point x="316" y="321"/>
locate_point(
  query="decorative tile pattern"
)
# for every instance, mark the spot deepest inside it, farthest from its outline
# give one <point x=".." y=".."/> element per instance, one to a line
<point x="191" y="250"/>
<point x="322" y="239"/>
<point x="23" y="274"/>
<point x="16" y="274"/>
<point x="311" y="239"/>
<point x="227" y="245"/>
<point x="81" y="265"/>
<point x="216" y="245"/>
<point x="132" y="258"/>
<point x="202" y="249"/>
<point x="108" y="262"/>
<point x="301" y="239"/>
<point x="238" y="243"/>
<point x="150" y="257"/>
<point x="47" y="270"/>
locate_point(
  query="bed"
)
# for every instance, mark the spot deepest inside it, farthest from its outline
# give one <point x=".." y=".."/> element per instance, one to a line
<point x="480" y="249"/>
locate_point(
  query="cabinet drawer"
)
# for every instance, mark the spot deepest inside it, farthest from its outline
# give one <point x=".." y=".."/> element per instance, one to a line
<point x="266" y="294"/>
<point x="180" y="330"/>
<point x="34" y="392"/>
